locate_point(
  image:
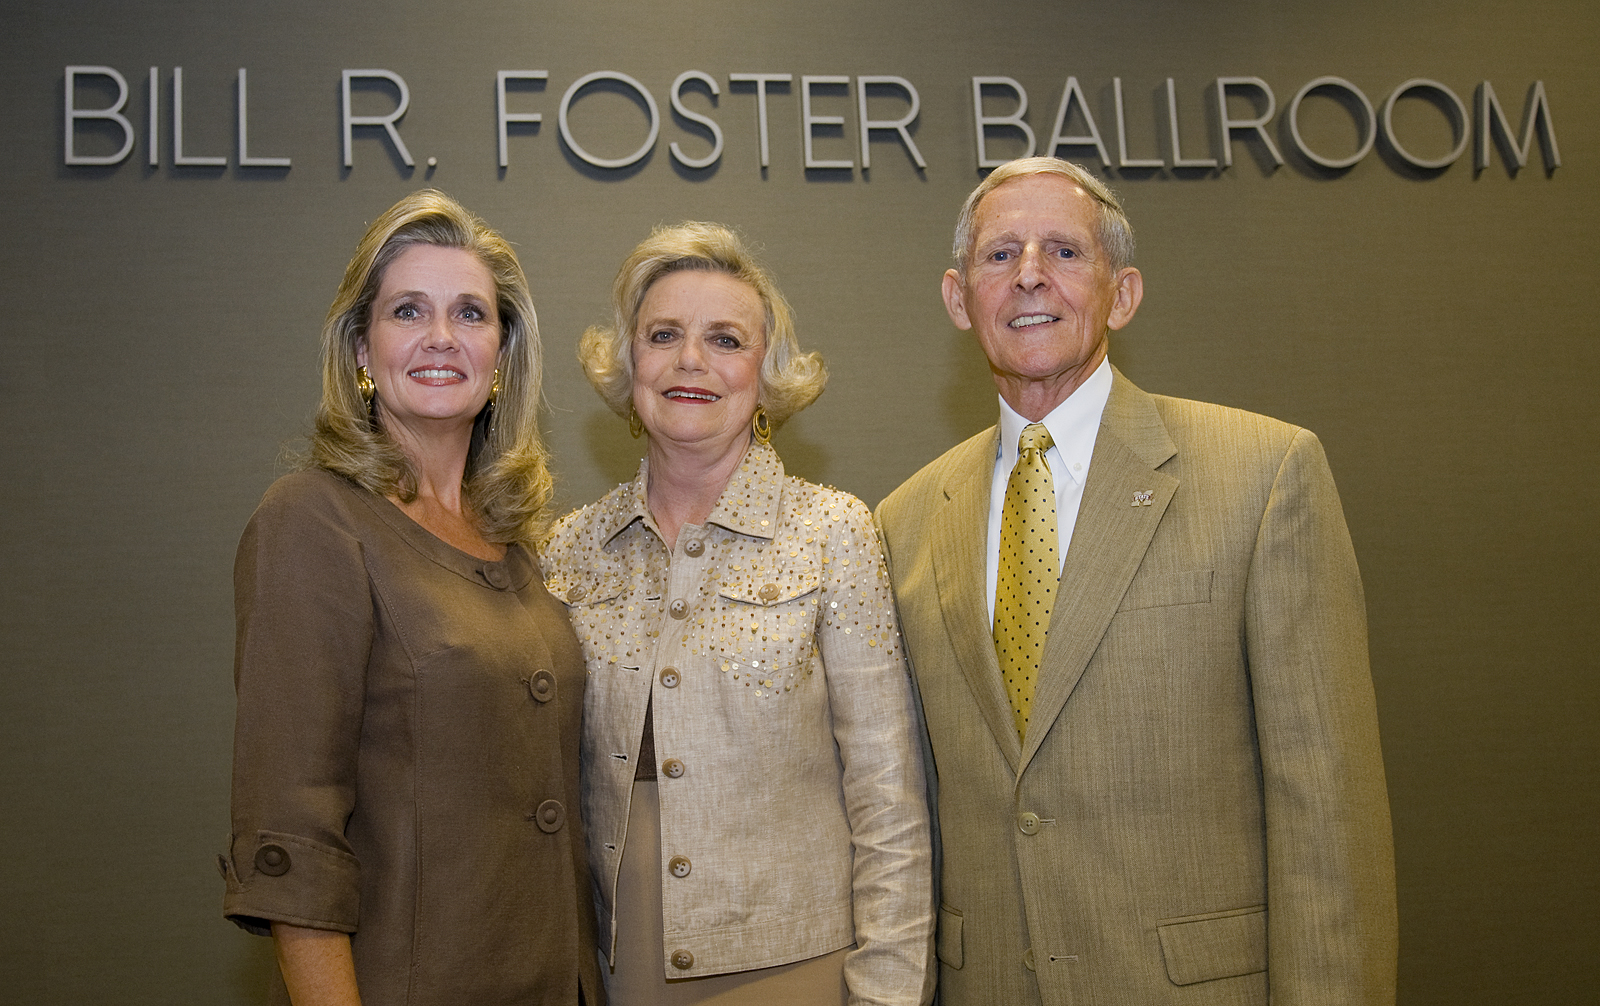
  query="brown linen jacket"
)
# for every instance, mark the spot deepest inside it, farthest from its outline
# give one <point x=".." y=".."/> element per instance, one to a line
<point x="406" y="755"/>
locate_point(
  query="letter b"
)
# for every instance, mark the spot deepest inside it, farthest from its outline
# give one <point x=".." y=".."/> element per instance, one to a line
<point x="113" y="114"/>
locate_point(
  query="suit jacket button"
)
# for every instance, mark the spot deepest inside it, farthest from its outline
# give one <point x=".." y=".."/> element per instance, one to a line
<point x="1027" y="960"/>
<point x="683" y="960"/>
<point x="679" y="866"/>
<point x="272" y="860"/>
<point x="1028" y="823"/>
<point x="672" y="768"/>
<point x="497" y="576"/>
<point x="542" y="686"/>
<point x="669" y="677"/>
<point x="550" y="816"/>
<point x="693" y="547"/>
<point x="678" y="608"/>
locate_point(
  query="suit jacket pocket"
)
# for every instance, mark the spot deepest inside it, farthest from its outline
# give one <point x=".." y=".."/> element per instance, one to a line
<point x="948" y="944"/>
<point x="1202" y="948"/>
<point x="1162" y="589"/>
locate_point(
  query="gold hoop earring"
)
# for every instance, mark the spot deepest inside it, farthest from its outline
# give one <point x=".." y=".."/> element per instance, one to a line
<point x="761" y="426"/>
<point x="635" y="424"/>
<point x="494" y="389"/>
<point x="365" y="386"/>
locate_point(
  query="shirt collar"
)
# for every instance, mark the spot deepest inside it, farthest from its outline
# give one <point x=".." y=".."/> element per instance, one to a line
<point x="1073" y="425"/>
<point x="748" y="504"/>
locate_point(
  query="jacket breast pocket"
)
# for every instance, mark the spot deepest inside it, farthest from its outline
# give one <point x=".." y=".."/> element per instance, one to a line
<point x="586" y="588"/>
<point x="611" y="622"/>
<point x="762" y="628"/>
<point x="1160" y="590"/>
<point x="1202" y="948"/>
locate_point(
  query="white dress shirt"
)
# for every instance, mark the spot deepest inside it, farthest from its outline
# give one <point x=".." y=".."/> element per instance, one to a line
<point x="1073" y="426"/>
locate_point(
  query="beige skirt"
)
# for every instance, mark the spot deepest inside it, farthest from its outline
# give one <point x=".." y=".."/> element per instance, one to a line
<point x="638" y="979"/>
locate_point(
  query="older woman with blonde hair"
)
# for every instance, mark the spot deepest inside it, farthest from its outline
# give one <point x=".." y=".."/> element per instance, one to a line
<point x="405" y="777"/>
<point x="752" y="781"/>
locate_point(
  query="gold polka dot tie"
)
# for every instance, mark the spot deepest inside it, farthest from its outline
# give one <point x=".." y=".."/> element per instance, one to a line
<point x="1029" y="569"/>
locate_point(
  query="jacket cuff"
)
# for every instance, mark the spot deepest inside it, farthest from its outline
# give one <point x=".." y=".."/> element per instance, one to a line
<point x="277" y="877"/>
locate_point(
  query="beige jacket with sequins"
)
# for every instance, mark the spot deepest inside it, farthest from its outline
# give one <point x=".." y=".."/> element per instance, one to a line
<point x="793" y="818"/>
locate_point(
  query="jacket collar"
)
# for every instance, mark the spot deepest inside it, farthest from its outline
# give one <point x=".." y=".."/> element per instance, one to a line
<point x="1131" y="417"/>
<point x="748" y="504"/>
<point x="511" y="572"/>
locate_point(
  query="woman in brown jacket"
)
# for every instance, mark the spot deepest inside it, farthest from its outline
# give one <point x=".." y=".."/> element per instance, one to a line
<point x="405" y="787"/>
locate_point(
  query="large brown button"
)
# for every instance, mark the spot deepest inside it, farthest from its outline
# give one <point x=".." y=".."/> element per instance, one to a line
<point x="1028" y="823"/>
<point x="672" y="768"/>
<point x="769" y="592"/>
<point x="550" y="816"/>
<point x="542" y="685"/>
<point x="669" y="677"/>
<point x="678" y="608"/>
<point x="683" y="960"/>
<point x="1027" y="960"/>
<point x="693" y="547"/>
<point x="576" y="594"/>
<point x="497" y="576"/>
<point x="272" y="860"/>
<point x="679" y="866"/>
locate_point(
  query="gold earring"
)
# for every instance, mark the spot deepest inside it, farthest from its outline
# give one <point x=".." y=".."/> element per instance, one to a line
<point x="761" y="426"/>
<point x="364" y="385"/>
<point x="635" y="424"/>
<point x="494" y="389"/>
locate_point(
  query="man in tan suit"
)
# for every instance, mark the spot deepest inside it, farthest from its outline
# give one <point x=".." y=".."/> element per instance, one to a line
<point x="1178" y="797"/>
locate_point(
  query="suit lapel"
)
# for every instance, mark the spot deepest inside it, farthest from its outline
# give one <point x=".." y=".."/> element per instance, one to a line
<point x="960" y="528"/>
<point x="1108" y="543"/>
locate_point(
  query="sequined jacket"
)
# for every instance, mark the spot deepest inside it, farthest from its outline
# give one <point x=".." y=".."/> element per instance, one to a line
<point x="793" y="817"/>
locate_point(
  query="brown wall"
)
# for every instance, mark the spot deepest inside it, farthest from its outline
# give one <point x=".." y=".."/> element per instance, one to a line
<point x="1434" y="328"/>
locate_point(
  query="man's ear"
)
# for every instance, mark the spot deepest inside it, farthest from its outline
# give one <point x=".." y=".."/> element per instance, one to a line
<point x="955" y="299"/>
<point x="1130" y="291"/>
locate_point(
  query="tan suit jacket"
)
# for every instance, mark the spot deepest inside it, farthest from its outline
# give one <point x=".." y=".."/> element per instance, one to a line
<point x="1198" y="812"/>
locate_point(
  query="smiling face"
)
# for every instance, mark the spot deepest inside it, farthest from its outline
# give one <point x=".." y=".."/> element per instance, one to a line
<point x="697" y="351"/>
<point x="1039" y="292"/>
<point x="433" y="341"/>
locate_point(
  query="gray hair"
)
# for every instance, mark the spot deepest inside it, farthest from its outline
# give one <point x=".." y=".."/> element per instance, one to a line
<point x="1112" y="228"/>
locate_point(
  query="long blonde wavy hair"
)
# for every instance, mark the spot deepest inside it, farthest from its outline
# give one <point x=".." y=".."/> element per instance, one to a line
<point x="507" y="481"/>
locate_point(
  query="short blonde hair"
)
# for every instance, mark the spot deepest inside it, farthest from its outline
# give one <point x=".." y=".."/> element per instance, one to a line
<point x="1112" y="229"/>
<point x="507" y="479"/>
<point x="790" y="380"/>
